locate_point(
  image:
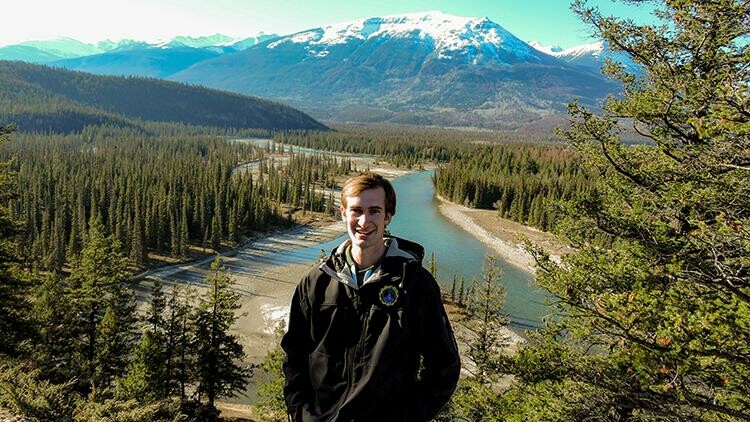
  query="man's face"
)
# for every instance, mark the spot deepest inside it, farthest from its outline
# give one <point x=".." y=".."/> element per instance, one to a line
<point x="365" y="217"/>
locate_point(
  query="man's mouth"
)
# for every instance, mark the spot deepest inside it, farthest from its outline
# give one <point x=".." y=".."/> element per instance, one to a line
<point x="363" y="232"/>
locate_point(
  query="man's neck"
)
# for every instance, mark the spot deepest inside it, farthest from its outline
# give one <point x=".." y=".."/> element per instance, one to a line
<point x="369" y="256"/>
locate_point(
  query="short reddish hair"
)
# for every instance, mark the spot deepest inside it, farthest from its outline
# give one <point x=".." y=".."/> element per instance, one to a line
<point x="369" y="180"/>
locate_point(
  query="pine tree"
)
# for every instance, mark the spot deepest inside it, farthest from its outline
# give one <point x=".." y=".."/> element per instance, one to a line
<point x="55" y="320"/>
<point x="178" y="357"/>
<point x="96" y="287"/>
<point x="453" y="289"/>
<point x="184" y="234"/>
<point x="656" y="301"/>
<point x="14" y="306"/>
<point x="433" y="266"/>
<point x="116" y="335"/>
<point x="271" y="405"/>
<point x="461" y="293"/>
<point x="137" y="244"/>
<point x="485" y="322"/>
<point x="217" y="350"/>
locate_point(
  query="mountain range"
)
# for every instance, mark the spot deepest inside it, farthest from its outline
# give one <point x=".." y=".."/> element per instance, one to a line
<point x="50" y="51"/>
<point x="425" y="68"/>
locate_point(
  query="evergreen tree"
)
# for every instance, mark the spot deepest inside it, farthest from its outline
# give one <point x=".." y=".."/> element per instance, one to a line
<point x="178" y="357"/>
<point x="217" y="350"/>
<point x="96" y="288"/>
<point x="144" y="379"/>
<point x="147" y="373"/>
<point x="271" y="405"/>
<point x="14" y="306"/>
<point x="453" y="289"/>
<point x="461" y="292"/>
<point x="116" y="335"/>
<point x="656" y="301"/>
<point x="433" y="266"/>
<point x="485" y="322"/>
<point x="55" y="320"/>
<point x="476" y="398"/>
<point x="137" y="244"/>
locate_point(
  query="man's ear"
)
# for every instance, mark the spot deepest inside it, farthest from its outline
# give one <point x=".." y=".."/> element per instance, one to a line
<point x="388" y="218"/>
<point x="342" y="210"/>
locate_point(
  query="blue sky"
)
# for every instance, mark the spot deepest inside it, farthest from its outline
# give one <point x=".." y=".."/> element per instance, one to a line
<point x="548" y="21"/>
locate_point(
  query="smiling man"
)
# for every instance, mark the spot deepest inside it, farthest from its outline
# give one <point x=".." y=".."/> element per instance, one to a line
<point x="363" y="320"/>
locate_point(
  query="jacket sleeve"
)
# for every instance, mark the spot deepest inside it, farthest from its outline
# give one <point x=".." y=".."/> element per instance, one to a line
<point x="296" y="344"/>
<point x="439" y="351"/>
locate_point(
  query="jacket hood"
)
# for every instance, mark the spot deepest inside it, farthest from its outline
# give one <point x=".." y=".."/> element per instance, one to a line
<point x="396" y="248"/>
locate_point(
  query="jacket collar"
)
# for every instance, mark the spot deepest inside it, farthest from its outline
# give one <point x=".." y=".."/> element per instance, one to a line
<point x="336" y="266"/>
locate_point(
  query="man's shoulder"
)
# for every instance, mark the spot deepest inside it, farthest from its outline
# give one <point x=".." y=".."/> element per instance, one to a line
<point x="400" y="247"/>
<point x="314" y="274"/>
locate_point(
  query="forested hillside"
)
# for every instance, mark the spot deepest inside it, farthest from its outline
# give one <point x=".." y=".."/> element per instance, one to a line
<point x="151" y="193"/>
<point x="42" y="99"/>
<point x="524" y="183"/>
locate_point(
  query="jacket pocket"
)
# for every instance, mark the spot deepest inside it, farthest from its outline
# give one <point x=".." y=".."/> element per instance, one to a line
<point x="327" y="379"/>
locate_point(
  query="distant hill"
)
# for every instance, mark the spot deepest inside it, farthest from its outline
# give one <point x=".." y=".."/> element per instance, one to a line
<point x="126" y="57"/>
<point x="423" y="68"/>
<point x="27" y="53"/>
<point x="40" y="98"/>
<point x="148" y="61"/>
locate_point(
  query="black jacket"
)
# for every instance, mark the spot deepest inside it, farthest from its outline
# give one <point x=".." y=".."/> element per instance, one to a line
<point x="354" y="354"/>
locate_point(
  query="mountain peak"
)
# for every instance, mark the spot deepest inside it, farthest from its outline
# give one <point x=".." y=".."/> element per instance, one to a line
<point x="204" y="41"/>
<point x="472" y="39"/>
<point x="552" y="50"/>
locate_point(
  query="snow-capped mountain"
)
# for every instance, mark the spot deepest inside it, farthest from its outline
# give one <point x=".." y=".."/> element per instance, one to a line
<point x="158" y="60"/>
<point x="552" y="50"/>
<point x="590" y="55"/>
<point x="64" y="47"/>
<point x="474" y="40"/>
<point x="202" y="42"/>
<point x="428" y="68"/>
<point x="73" y="51"/>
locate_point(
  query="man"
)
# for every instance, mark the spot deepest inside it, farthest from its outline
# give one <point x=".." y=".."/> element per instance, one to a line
<point x="362" y="322"/>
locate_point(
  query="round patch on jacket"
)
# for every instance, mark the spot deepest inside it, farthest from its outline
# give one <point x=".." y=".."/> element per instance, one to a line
<point x="388" y="295"/>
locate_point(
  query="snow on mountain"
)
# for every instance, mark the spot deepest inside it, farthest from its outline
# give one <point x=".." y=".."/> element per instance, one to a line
<point x="590" y="56"/>
<point x="449" y="35"/>
<point x="38" y="51"/>
<point x="248" y="42"/>
<point x="206" y="41"/>
<point x="552" y="50"/>
<point x="63" y="47"/>
<point x="426" y="68"/>
<point x="123" y="44"/>
<point x="594" y="49"/>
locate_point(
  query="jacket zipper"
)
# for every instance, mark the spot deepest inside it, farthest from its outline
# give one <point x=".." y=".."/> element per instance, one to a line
<point x="353" y="353"/>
